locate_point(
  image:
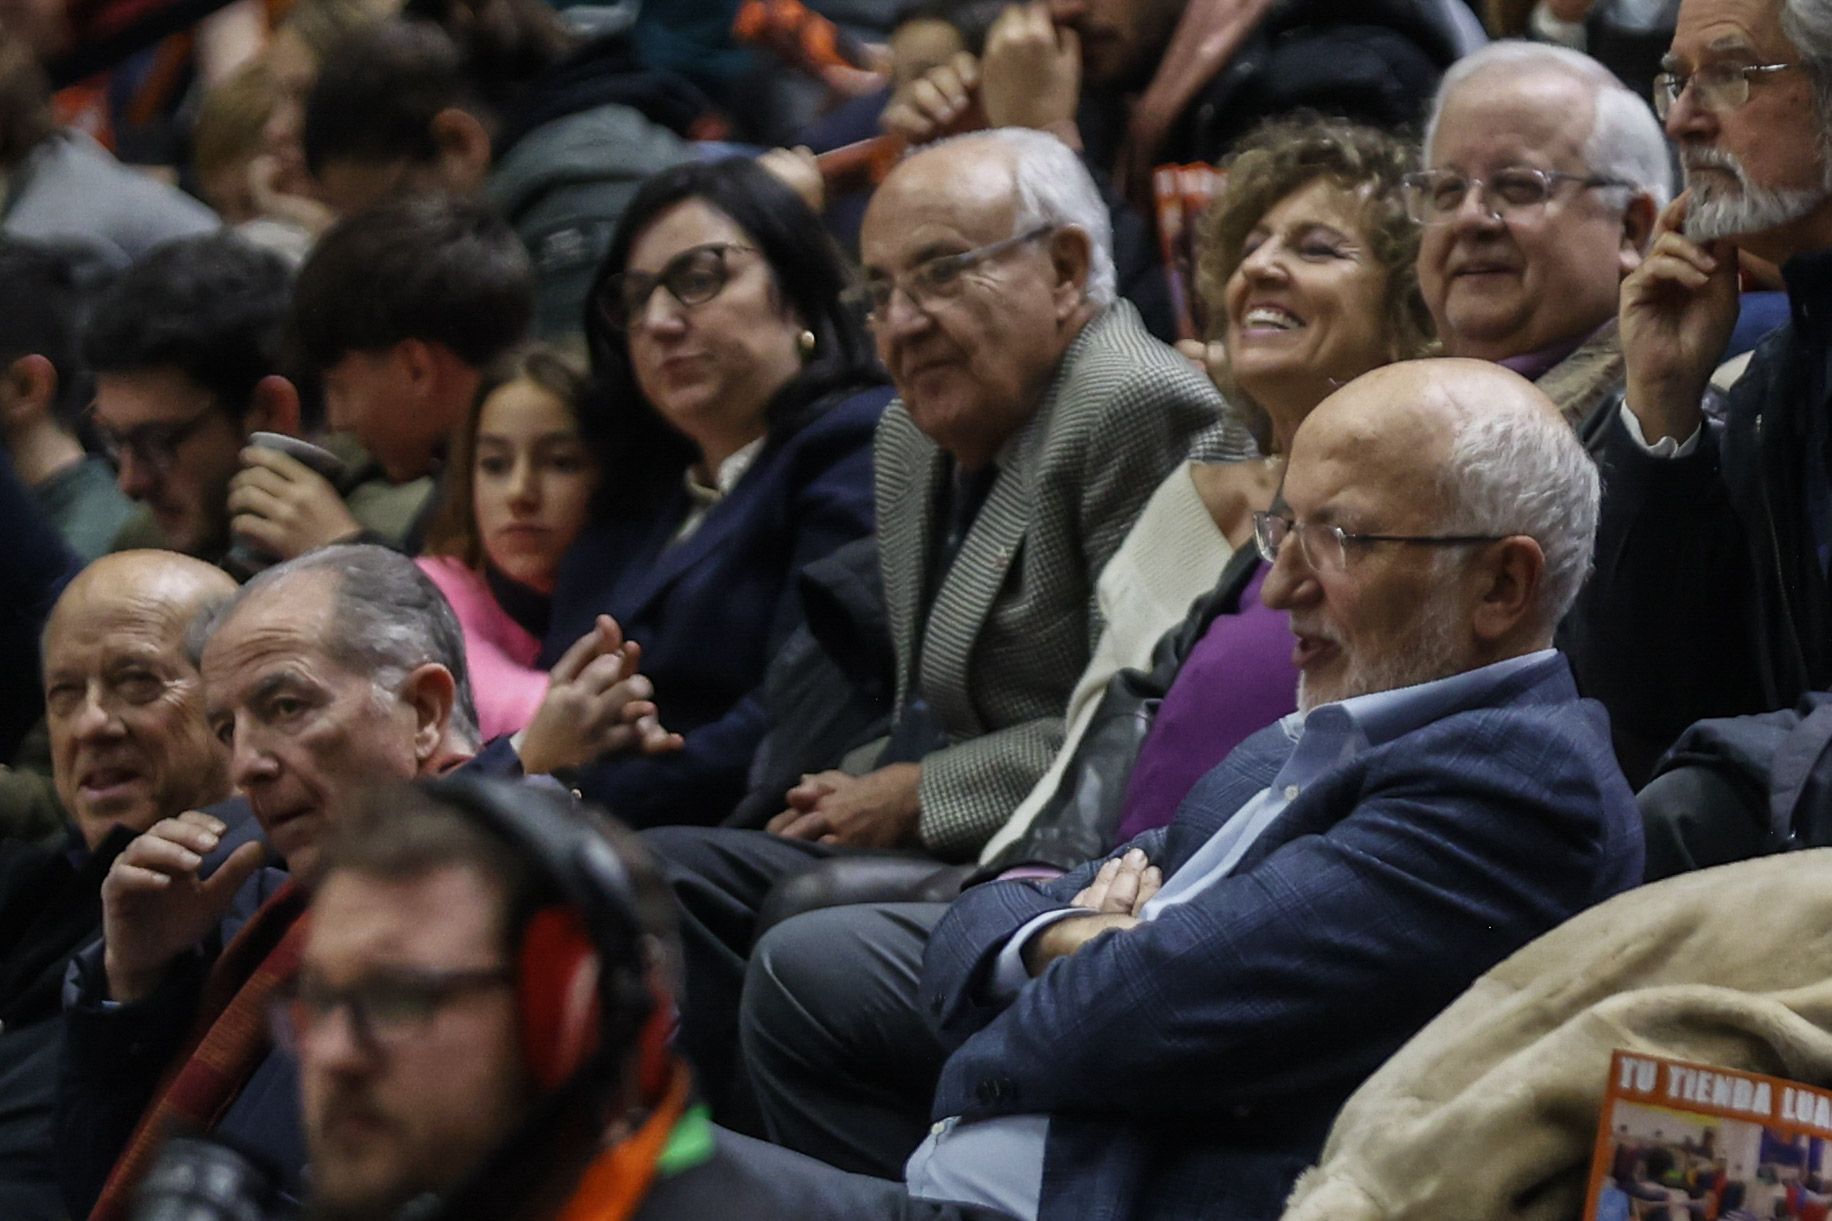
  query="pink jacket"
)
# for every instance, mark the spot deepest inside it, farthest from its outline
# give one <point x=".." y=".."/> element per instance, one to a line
<point x="500" y="652"/>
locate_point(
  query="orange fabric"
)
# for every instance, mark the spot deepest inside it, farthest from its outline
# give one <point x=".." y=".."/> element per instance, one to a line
<point x="614" y="1185"/>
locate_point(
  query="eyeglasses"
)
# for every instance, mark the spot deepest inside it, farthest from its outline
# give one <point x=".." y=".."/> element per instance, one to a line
<point x="152" y="445"/>
<point x="692" y="277"/>
<point x="1716" y="87"/>
<point x="937" y="279"/>
<point x="1326" y="547"/>
<point x="1434" y="197"/>
<point x="387" y="1008"/>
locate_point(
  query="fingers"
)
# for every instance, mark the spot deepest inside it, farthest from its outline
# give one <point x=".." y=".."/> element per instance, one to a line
<point x="1094" y="895"/>
<point x="1123" y="890"/>
<point x="583" y="651"/>
<point x="777" y="825"/>
<point x="1672" y="218"/>
<point x="241" y="865"/>
<point x="927" y="106"/>
<point x="814" y="787"/>
<point x="258" y="460"/>
<point x="193" y="830"/>
<point x="810" y="826"/>
<point x="157" y="854"/>
<point x="1150" y="882"/>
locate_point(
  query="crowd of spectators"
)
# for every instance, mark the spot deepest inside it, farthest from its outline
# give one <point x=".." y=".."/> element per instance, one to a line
<point x="696" y="608"/>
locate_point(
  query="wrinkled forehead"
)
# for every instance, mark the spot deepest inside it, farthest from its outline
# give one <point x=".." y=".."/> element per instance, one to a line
<point x="86" y="632"/>
<point x="286" y="623"/>
<point x="949" y="199"/>
<point x="1375" y="451"/>
<point x="1738" y="30"/>
<point x="1541" y="117"/>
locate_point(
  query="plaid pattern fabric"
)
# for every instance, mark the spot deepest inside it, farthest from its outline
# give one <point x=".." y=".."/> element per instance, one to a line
<point x="1014" y="620"/>
<point x="228" y="1040"/>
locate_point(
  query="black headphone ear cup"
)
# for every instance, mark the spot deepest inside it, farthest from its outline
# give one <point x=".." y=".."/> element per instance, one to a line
<point x="558" y="991"/>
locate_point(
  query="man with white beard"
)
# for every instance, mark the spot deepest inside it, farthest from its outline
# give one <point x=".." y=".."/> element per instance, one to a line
<point x="1710" y="597"/>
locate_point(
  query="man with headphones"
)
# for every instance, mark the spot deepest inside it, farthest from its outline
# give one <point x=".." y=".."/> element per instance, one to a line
<point x="482" y="1018"/>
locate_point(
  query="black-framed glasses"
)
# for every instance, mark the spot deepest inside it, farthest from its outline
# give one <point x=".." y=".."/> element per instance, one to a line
<point x="154" y="445"/>
<point x="387" y="1008"/>
<point x="937" y="279"/>
<point x="692" y="277"/>
<point x="1434" y="197"/>
<point x="1715" y="87"/>
<point x="1326" y="547"/>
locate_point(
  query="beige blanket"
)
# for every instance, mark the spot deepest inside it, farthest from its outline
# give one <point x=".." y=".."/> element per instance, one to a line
<point x="1490" y="1111"/>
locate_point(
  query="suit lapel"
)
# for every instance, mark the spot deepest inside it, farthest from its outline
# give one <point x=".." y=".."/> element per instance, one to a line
<point x="909" y="470"/>
<point x="969" y="589"/>
<point x="725" y="517"/>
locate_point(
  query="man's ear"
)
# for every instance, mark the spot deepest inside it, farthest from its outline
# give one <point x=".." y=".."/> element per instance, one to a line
<point x="430" y="691"/>
<point x="1508" y="600"/>
<point x="1071" y="254"/>
<point x="416" y="364"/>
<point x="28" y="388"/>
<point x="273" y="407"/>
<point x="462" y="150"/>
<point x="1637" y="229"/>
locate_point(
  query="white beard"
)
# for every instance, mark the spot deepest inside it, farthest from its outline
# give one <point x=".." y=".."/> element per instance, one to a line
<point x="1716" y="212"/>
<point x="1434" y="652"/>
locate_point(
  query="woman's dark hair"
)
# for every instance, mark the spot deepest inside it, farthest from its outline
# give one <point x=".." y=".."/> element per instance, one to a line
<point x="453" y="529"/>
<point x="640" y="453"/>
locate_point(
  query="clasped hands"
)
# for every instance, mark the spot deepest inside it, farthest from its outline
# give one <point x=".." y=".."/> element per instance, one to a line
<point x="1114" y="901"/>
<point x="597" y="703"/>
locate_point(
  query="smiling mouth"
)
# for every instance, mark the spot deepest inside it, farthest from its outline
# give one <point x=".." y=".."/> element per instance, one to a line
<point x="1264" y="319"/>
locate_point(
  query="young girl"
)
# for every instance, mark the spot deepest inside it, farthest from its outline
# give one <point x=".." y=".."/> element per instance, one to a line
<point x="519" y="489"/>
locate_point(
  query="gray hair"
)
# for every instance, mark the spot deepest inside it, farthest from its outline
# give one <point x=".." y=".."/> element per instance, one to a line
<point x="1514" y="470"/>
<point x="1808" y="25"/>
<point x="1625" y="140"/>
<point x="387" y="620"/>
<point x="1054" y="188"/>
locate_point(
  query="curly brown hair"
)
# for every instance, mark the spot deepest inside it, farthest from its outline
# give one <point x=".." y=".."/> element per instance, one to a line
<point x="1283" y="154"/>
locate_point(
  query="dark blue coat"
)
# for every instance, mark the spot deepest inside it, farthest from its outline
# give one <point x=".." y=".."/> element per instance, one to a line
<point x="709" y="612"/>
<point x="1191" y="1067"/>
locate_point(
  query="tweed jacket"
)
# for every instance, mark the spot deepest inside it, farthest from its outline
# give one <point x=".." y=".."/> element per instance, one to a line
<point x="1014" y="620"/>
<point x="1190" y="1067"/>
<point x="1491" y="1110"/>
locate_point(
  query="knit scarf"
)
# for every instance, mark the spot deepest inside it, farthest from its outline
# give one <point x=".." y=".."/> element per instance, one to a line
<point x="613" y="1186"/>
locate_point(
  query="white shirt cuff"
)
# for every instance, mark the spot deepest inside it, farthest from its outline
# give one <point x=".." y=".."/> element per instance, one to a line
<point x="1009" y="973"/>
<point x="1666" y="447"/>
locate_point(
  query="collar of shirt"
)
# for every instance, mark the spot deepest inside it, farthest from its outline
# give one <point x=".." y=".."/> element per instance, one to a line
<point x="1334" y="733"/>
<point x="1535" y="365"/>
<point x="725" y="478"/>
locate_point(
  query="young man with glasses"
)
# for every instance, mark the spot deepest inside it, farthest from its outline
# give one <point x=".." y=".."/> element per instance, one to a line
<point x="1171" y="1029"/>
<point x="1542" y="177"/>
<point x="186" y="352"/>
<point x="1711" y="597"/>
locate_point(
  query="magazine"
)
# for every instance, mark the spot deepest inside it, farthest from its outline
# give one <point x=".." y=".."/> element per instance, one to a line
<point x="1692" y="1142"/>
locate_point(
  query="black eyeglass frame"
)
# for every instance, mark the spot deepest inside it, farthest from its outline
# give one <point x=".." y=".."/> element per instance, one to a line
<point x="435" y="989"/>
<point x="875" y="294"/>
<point x="619" y="309"/>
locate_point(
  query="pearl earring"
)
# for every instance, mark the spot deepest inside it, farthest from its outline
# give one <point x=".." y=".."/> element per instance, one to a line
<point x="805" y="341"/>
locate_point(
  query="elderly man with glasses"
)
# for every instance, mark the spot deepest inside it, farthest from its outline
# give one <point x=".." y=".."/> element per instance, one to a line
<point x="1543" y="176"/>
<point x="1711" y="596"/>
<point x="1169" y="1031"/>
<point x="1035" y="416"/>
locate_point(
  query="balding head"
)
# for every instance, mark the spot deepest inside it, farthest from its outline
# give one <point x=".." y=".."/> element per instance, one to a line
<point x="1431" y="450"/>
<point x="129" y="745"/>
<point x="971" y="354"/>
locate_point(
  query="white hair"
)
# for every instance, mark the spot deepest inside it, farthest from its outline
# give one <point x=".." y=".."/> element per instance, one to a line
<point x="1054" y="188"/>
<point x="1808" y="25"/>
<point x="1515" y="470"/>
<point x="1625" y="138"/>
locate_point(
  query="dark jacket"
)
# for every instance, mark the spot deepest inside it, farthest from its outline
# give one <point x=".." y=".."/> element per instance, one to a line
<point x="1083" y="815"/>
<point x="710" y="611"/>
<point x="1191" y="1066"/>
<point x="1374" y="60"/>
<point x="830" y="687"/>
<point x="1708" y="599"/>
<point x="50" y="907"/>
<point x="35" y="565"/>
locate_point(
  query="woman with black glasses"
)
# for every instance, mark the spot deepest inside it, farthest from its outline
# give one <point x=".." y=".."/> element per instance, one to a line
<point x="736" y="400"/>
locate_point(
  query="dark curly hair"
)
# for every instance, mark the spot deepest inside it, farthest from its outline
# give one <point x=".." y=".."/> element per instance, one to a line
<point x="1284" y="154"/>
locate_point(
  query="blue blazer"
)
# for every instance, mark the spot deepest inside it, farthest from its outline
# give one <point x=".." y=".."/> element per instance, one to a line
<point x="710" y="611"/>
<point x="1191" y="1067"/>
